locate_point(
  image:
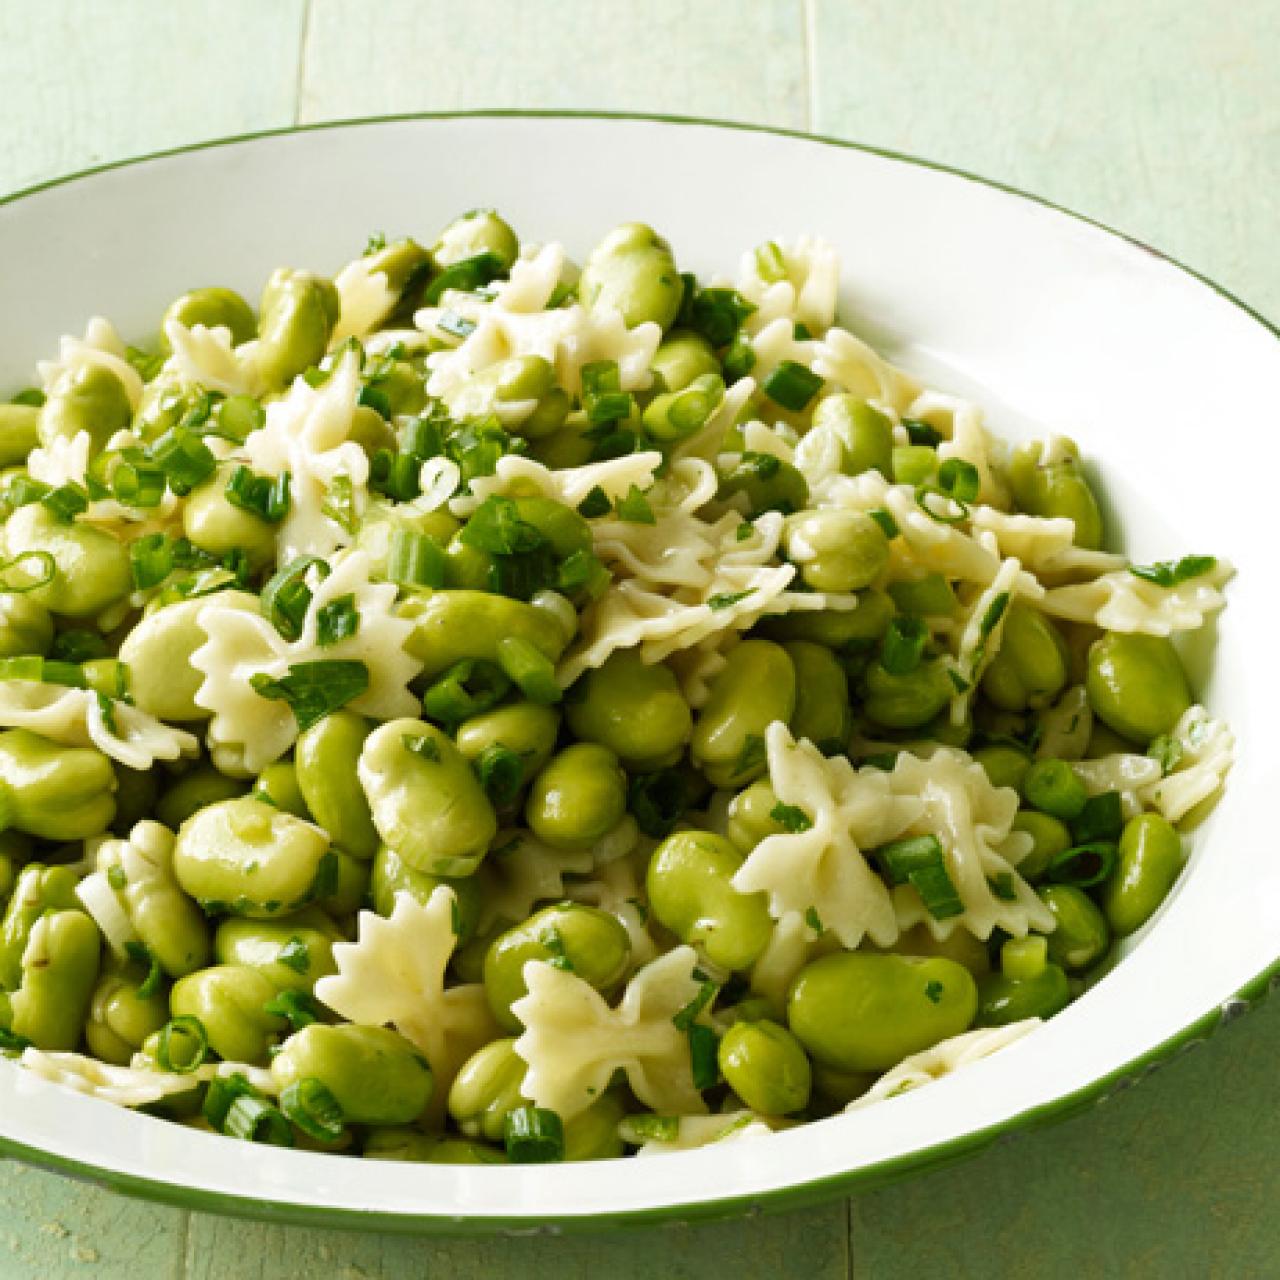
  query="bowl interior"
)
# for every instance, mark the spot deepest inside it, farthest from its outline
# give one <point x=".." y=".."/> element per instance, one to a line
<point x="1049" y="322"/>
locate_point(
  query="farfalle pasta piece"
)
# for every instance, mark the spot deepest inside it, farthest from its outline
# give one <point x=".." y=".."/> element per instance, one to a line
<point x="516" y="476"/>
<point x="797" y="281"/>
<point x="247" y="731"/>
<point x="944" y="1059"/>
<point x="821" y="868"/>
<point x="366" y="299"/>
<point x="205" y="357"/>
<point x="101" y="346"/>
<point x="1066" y="727"/>
<point x="793" y="944"/>
<point x="852" y="366"/>
<point x="520" y="872"/>
<point x="1122" y="601"/>
<point x="973" y="822"/>
<point x="573" y="1041"/>
<point x="1045" y="545"/>
<point x="83" y="718"/>
<point x="1204" y="749"/>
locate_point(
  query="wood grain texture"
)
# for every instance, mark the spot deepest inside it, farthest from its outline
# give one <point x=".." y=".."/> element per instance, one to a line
<point x="742" y="59"/>
<point x="87" y="81"/>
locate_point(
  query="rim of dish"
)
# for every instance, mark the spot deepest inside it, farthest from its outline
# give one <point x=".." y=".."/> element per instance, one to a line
<point x="796" y="1195"/>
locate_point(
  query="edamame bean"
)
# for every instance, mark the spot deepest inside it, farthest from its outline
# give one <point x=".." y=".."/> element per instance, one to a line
<point x="452" y="625"/>
<point x="865" y="434"/>
<point x="681" y="358"/>
<point x="244" y="857"/>
<point x="750" y="817"/>
<point x="1081" y="936"/>
<point x="910" y="700"/>
<point x="1057" y="488"/>
<point x="1005" y="766"/>
<point x="230" y="1000"/>
<point x="840" y="629"/>
<point x="1052" y="786"/>
<point x="634" y="708"/>
<point x="593" y="1134"/>
<point x="527" y="728"/>
<point x="326" y="759"/>
<point x="764" y="1064"/>
<point x="277" y="785"/>
<point x="579" y="797"/>
<point x="292" y="954"/>
<point x="59" y="970"/>
<point x="690" y="889"/>
<point x="121" y="1017"/>
<point x="584" y="940"/>
<point x="351" y="887"/>
<point x="19" y="433"/>
<point x="391" y="875"/>
<point x="486" y="1089"/>
<point x="1004" y="998"/>
<point x="632" y="271"/>
<point x="1050" y="836"/>
<point x="1136" y="684"/>
<point x="960" y="946"/>
<point x="89" y="398"/>
<point x="194" y="791"/>
<point x="25" y="626"/>
<point x="216" y="525"/>
<point x="424" y="798"/>
<point x="913" y="463"/>
<point x="928" y="596"/>
<point x="298" y="313"/>
<point x="38" y="890"/>
<point x="375" y="1074"/>
<point x="836" y="550"/>
<point x="52" y="791"/>
<point x="92" y="566"/>
<point x="1030" y="669"/>
<point x="480" y="231"/>
<point x="212" y="308"/>
<point x="756" y="686"/>
<point x="767" y="483"/>
<point x="822" y="711"/>
<point x="861" y="1012"/>
<point x="1150" y="858"/>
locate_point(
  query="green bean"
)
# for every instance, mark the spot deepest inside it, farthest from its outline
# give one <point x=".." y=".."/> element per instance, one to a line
<point x="756" y="686"/>
<point x="583" y="940"/>
<point x="298" y="312"/>
<point x="1136" y="685"/>
<point x="59" y="970"/>
<point x="325" y="760"/>
<point x="822" y="711"/>
<point x="212" y="308"/>
<point x="764" y="1064"/>
<point x="681" y="359"/>
<point x="1081" y="936"/>
<point x="1057" y="489"/>
<point x="860" y="1012"/>
<point x="767" y="483"/>
<point x="424" y="798"/>
<point x="202" y="787"/>
<point x="690" y="889"/>
<point x="634" y="708"/>
<point x="910" y="700"/>
<point x="292" y="954"/>
<point x="248" y="858"/>
<point x="230" y="1000"/>
<point x="391" y="875"/>
<point x="452" y="625"/>
<point x="92" y="565"/>
<point x="865" y="434"/>
<point x="486" y="1089"/>
<point x="375" y="1075"/>
<point x="88" y="398"/>
<point x="52" y="791"/>
<point x="1150" y="859"/>
<point x="121" y="1017"/>
<point x="632" y="271"/>
<point x="578" y="797"/>
<point x="1030" y="669"/>
<point x="19" y="433"/>
<point x="836" y="550"/>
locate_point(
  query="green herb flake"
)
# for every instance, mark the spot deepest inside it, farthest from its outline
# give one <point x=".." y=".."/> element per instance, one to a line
<point x="422" y="746"/>
<point x="295" y="955"/>
<point x="995" y="611"/>
<point x="552" y="939"/>
<point x="934" y="991"/>
<point x="727" y="599"/>
<point x="635" y="508"/>
<point x="337" y="620"/>
<point x="790" y="817"/>
<point x="1170" y="573"/>
<point x="814" y="921"/>
<point x="687" y="1016"/>
<point x="312" y="690"/>
<point x="1002" y="886"/>
<point x="595" y="504"/>
<point x="751" y="757"/>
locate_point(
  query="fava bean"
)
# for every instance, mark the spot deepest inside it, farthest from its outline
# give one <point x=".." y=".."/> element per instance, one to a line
<point x="92" y="565"/>
<point x="480" y="231"/>
<point x="59" y="970"/>
<point x="841" y="629"/>
<point x="487" y="1089"/>
<point x="960" y="946"/>
<point x="1005" y="766"/>
<point x="865" y="434"/>
<point x="1030" y="669"/>
<point x="1050" y="837"/>
<point x="298" y="312"/>
<point x="25" y="626"/>
<point x="452" y="625"/>
<point x="38" y="890"/>
<point x="593" y="1134"/>
<point x="326" y="759"/>
<point x="578" y="797"/>
<point x="121" y="1017"/>
<point x="1081" y="937"/>
<point x="765" y="1065"/>
<point x="212" y="308"/>
<point x="137" y="791"/>
<point x="751" y="816"/>
<point x="929" y="596"/>
<point x="292" y="954"/>
<point x="910" y="700"/>
<point x="52" y="791"/>
<point x="632" y="271"/>
<point x="836" y="550"/>
<point x="1150" y="858"/>
<point x="822" y="711"/>
<point x="1002" y="999"/>
<point x="527" y="728"/>
<point x="391" y="875"/>
<point x="194" y="791"/>
<point x="1136" y="685"/>
<point x="681" y="358"/>
<point x="216" y="525"/>
<point x="230" y="1000"/>
<point x="19" y="433"/>
<point x="766" y="483"/>
<point x="87" y="397"/>
<point x="1055" y="489"/>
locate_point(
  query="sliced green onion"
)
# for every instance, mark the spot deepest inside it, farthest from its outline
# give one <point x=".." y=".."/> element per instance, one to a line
<point x="903" y="644"/>
<point x="888" y="525"/>
<point x="238" y="417"/>
<point x="1022" y="959"/>
<point x="150" y="560"/>
<point x="466" y="689"/>
<point x="533" y="1135"/>
<point x="310" y="1105"/>
<point x="635" y="508"/>
<point x="792" y="385"/>
<point x="922" y="433"/>
<point x="297" y="1008"/>
<point x="582" y="571"/>
<point x="1102" y="818"/>
<point x="135" y="483"/>
<point x="69" y="674"/>
<point x="703" y="1045"/>
<point x="10" y="1041"/>
<point x="286" y="597"/>
<point x="658" y="801"/>
<point x="466" y="275"/>
<point x="32" y="397"/>
<point x="143" y="955"/>
<point x="312" y="690"/>
<point x="66" y="502"/>
<point x="256" y="1120"/>
<point x="415" y="560"/>
<point x="223" y="1091"/>
<point x="921" y="862"/>
<point x="995" y="611"/>
<point x="340" y="504"/>
<point x="959" y="479"/>
<point x="602" y="394"/>
<point x="684" y="1018"/>
<point x="1083" y="865"/>
<point x="23" y="490"/>
<point x="739" y="359"/>
<point x="530" y="669"/>
<point x="337" y="620"/>
<point x="596" y="503"/>
<point x="1002" y="886"/>
<point x="495" y="526"/>
<point x="501" y="773"/>
<point x="266" y="497"/>
<point x="952" y="511"/>
<point x="395" y="475"/>
<point x="184" y="458"/>
<point x="295" y="955"/>
<point x="421" y="438"/>
<point x="27" y="571"/>
<point x="376" y="399"/>
<point x="27" y="666"/>
<point x="182" y="1045"/>
<point x="717" y="314"/>
<point x="1170" y="573"/>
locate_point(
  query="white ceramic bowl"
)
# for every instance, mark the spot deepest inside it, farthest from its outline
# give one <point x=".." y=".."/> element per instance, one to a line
<point x="1052" y="322"/>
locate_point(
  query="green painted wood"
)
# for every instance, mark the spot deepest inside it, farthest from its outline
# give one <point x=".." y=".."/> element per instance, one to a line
<point x="1160" y="117"/>
<point x="735" y="58"/>
<point x="82" y="83"/>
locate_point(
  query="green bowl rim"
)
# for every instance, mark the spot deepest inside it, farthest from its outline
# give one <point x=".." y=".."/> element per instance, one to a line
<point x="784" y="1198"/>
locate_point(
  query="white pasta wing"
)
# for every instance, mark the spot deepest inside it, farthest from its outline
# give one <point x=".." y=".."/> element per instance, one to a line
<point x="972" y="821"/>
<point x="792" y="945"/>
<point x="248" y="731"/>
<point x="573" y="1041"/>
<point x="101" y="346"/>
<point x="1128" y="774"/>
<point x="306" y="434"/>
<point x="80" y="718"/>
<point x="205" y="357"/>
<point x="853" y="366"/>
<point x="520" y="872"/>
<point x="1206" y="751"/>
<point x="943" y="1059"/>
<point x="822" y="868"/>
<point x="1122" y="601"/>
<point x="366" y="299"/>
<point x="1044" y="544"/>
<point x="524" y="476"/>
<point x="1066" y="727"/>
<point x="797" y="281"/>
<point x="62" y="461"/>
<point x="394" y="974"/>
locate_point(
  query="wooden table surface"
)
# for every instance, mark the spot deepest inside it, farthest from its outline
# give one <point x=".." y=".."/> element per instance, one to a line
<point x="1160" y="117"/>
